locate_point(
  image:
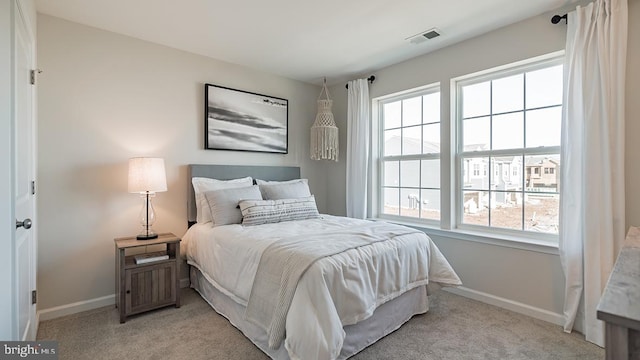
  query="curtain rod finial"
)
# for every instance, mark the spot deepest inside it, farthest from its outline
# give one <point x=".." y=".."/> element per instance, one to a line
<point x="556" y="19"/>
<point x="370" y="79"/>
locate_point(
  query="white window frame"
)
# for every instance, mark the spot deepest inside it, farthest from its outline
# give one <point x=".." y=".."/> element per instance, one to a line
<point x="378" y="150"/>
<point x="456" y="119"/>
<point x="450" y="170"/>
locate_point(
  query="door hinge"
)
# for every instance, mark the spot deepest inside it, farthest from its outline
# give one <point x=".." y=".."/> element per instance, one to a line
<point x="33" y="187"/>
<point x="34" y="297"/>
<point x="33" y="75"/>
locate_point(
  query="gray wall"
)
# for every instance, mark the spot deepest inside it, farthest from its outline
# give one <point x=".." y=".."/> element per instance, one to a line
<point x="104" y="98"/>
<point x="524" y="276"/>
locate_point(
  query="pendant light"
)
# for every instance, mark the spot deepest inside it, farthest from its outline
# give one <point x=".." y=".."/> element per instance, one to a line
<point x="324" y="132"/>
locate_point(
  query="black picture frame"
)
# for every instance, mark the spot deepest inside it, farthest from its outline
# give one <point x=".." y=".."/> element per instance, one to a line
<point x="238" y="120"/>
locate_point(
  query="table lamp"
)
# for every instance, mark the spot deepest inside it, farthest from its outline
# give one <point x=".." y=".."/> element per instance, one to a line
<point x="146" y="177"/>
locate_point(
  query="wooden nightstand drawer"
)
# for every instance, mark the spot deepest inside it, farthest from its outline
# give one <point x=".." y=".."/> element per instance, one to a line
<point x="143" y="286"/>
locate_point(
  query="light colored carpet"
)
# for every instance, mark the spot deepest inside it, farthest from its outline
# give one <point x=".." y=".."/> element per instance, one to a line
<point x="454" y="328"/>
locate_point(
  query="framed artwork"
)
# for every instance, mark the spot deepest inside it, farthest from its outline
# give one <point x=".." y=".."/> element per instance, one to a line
<point x="244" y="121"/>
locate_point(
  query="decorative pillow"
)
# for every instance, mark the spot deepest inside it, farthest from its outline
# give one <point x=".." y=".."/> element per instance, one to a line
<point x="285" y="190"/>
<point x="224" y="203"/>
<point x="202" y="185"/>
<point x="273" y="211"/>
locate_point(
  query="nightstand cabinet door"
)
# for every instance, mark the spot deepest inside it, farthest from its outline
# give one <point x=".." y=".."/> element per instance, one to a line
<point x="149" y="287"/>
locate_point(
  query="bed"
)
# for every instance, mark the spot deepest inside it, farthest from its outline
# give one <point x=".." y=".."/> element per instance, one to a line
<point x="315" y="287"/>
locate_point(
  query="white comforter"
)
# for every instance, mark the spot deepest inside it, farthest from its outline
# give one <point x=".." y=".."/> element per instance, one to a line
<point x="335" y="291"/>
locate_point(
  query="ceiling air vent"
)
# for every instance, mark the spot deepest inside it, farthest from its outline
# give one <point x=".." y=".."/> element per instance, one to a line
<point x="424" y="36"/>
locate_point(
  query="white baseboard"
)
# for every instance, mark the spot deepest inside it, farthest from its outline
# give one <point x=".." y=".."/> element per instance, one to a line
<point x="80" y="306"/>
<point x="514" y="306"/>
<point x="74" y="308"/>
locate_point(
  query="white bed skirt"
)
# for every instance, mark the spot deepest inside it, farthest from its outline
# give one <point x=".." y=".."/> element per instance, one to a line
<point x="385" y="319"/>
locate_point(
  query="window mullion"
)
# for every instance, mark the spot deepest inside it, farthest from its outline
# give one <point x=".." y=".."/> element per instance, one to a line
<point x="400" y="185"/>
<point x="523" y="178"/>
<point x="543" y="150"/>
<point x="412" y="157"/>
<point x="420" y="161"/>
<point x="524" y="120"/>
<point x="491" y="170"/>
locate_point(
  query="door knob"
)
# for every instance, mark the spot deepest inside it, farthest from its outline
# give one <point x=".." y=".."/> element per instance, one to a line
<point x="26" y="223"/>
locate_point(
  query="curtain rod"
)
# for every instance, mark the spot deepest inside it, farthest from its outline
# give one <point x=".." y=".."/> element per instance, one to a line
<point x="556" y="18"/>
<point x="371" y="79"/>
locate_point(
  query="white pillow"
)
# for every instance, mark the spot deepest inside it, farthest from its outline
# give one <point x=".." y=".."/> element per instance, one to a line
<point x="285" y="190"/>
<point x="258" y="212"/>
<point x="270" y="182"/>
<point x="224" y="203"/>
<point x="202" y="185"/>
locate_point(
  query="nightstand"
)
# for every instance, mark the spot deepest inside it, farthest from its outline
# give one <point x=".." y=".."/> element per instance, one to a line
<point x="147" y="286"/>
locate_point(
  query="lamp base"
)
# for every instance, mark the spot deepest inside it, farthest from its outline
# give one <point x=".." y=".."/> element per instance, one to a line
<point x="147" y="218"/>
<point x="147" y="236"/>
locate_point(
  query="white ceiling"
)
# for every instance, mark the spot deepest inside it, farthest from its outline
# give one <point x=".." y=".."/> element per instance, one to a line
<point x="300" y="39"/>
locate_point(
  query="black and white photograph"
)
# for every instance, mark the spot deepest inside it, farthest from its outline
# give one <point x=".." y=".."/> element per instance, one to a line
<point x="244" y="121"/>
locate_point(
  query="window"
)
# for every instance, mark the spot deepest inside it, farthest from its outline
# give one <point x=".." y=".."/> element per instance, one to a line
<point x="510" y="120"/>
<point x="498" y="164"/>
<point x="410" y="155"/>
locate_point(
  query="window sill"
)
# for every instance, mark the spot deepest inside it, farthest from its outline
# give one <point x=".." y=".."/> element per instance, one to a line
<point x="497" y="239"/>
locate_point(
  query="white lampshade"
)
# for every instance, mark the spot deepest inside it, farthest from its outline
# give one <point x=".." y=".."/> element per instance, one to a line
<point x="147" y="174"/>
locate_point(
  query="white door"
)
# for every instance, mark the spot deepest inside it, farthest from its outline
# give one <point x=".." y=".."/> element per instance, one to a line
<point x="25" y="249"/>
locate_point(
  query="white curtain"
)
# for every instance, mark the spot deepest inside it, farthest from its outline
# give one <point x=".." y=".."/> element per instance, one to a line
<point x="357" y="148"/>
<point x="592" y="160"/>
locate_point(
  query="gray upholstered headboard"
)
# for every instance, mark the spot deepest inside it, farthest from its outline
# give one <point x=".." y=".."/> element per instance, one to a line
<point x="228" y="172"/>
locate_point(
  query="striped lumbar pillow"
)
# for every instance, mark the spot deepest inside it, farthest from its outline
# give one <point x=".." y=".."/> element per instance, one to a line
<point x="258" y="212"/>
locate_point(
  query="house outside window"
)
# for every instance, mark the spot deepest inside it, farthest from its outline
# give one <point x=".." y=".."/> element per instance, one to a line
<point x="410" y="156"/>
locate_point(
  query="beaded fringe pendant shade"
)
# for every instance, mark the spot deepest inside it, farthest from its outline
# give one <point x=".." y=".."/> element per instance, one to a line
<point x="324" y="132"/>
